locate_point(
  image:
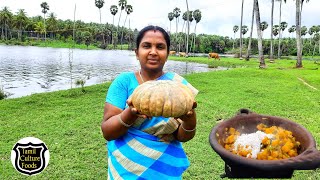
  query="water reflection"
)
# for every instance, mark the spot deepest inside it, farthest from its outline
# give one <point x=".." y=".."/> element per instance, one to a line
<point x="28" y="70"/>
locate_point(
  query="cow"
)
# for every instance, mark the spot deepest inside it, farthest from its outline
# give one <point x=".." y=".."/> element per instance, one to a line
<point x="213" y="55"/>
<point x="182" y="54"/>
<point x="172" y="52"/>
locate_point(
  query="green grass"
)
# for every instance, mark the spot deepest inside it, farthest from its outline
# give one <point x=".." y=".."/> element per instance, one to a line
<point x="69" y="121"/>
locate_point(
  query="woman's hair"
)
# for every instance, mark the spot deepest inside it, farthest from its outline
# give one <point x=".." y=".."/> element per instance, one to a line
<point x="155" y="28"/>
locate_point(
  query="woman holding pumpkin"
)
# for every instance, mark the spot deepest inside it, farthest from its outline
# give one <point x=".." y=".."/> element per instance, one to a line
<point x="140" y="146"/>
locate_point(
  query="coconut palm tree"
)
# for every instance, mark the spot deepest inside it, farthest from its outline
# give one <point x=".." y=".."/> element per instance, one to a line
<point x="235" y="30"/>
<point x="45" y="9"/>
<point x="128" y="10"/>
<point x="260" y="46"/>
<point x="52" y="24"/>
<point x="21" y="21"/>
<point x="170" y="17"/>
<point x="311" y="31"/>
<point x="271" y="38"/>
<point x="197" y="17"/>
<point x="241" y="29"/>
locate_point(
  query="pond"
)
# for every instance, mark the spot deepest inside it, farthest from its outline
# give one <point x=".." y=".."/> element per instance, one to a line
<point x="28" y="70"/>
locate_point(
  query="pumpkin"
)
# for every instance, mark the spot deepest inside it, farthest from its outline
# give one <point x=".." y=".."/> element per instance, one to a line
<point x="162" y="98"/>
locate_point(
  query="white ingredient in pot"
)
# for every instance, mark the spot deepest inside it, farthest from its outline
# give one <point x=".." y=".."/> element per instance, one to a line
<point x="251" y="142"/>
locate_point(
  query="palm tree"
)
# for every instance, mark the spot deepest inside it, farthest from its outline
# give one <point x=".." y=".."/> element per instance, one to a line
<point x="170" y="17"/>
<point x="271" y="39"/>
<point x="235" y="30"/>
<point x="114" y="11"/>
<point x="311" y="31"/>
<point x="304" y="31"/>
<point x="176" y="12"/>
<point x="292" y="29"/>
<point x="21" y="21"/>
<point x="241" y="30"/>
<point x="244" y="30"/>
<point x="128" y="10"/>
<point x="45" y="9"/>
<point x="188" y="21"/>
<point x="263" y="26"/>
<point x="52" y="24"/>
<point x="283" y="26"/>
<point x="279" y="38"/>
<point x="249" y="44"/>
<point x="99" y="5"/>
<point x="260" y="46"/>
<point x="197" y="16"/>
<point x="299" y="4"/>
<point x="122" y="4"/>
<point x="275" y="30"/>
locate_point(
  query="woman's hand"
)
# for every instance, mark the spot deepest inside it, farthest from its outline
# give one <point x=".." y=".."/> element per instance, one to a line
<point x="190" y="114"/>
<point x="135" y="111"/>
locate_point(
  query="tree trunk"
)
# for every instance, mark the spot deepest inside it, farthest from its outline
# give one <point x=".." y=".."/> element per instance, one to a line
<point x="241" y="30"/>
<point x="298" y="34"/>
<point x="123" y="30"/>
<point x="260" y="47"/>
<point x="249" y="44"/>
<point x="187" y="47"/>
<point x="279" y="38"/>
<point x="271" y="38"/>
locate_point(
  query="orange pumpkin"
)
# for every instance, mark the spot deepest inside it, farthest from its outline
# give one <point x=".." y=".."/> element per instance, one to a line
<point x="162" y="98"/>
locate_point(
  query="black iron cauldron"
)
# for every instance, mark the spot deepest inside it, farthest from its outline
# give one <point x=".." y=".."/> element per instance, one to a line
<point x="240" y="167"/>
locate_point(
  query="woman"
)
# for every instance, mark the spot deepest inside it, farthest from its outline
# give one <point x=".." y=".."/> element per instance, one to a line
<point x="141" y="146"/>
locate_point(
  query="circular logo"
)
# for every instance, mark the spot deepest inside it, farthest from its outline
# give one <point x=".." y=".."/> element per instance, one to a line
<point x="30" y="156"/>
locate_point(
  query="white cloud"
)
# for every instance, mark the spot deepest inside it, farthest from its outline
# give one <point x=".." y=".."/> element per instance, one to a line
<point x="218" y="17"/>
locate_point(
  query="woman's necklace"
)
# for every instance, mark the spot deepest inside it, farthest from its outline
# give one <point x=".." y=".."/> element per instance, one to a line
<point x="141" y="77"/>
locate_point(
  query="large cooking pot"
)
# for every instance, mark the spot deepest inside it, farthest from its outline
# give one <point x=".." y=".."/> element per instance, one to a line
<point x="240" y="167"/>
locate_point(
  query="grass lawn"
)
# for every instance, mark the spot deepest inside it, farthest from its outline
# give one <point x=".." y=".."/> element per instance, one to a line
<point x="69" y="121"/>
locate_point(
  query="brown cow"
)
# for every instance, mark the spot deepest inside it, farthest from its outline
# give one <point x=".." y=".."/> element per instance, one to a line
<point x="182" y="54"/>
<point x="172" y="52"/>
<point x="213" y="55"/>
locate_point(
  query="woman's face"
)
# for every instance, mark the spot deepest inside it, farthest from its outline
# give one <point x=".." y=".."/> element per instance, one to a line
<point x="152" y="51"/>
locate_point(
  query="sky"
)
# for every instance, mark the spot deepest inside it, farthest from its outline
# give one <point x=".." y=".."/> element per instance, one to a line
<point x="218" y="16"/>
